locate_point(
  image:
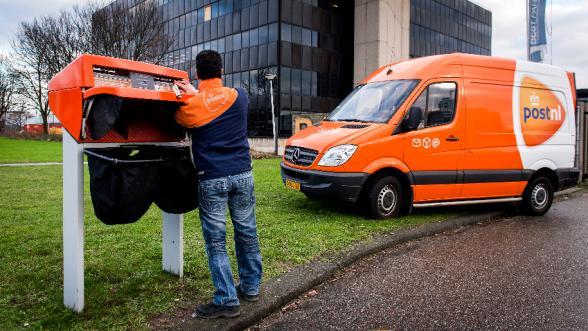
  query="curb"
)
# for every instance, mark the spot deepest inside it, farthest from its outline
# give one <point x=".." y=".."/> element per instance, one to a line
<point x="280" y="290"/>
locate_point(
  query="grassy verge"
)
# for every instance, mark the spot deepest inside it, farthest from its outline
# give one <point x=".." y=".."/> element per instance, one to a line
<point x="27" y="151"/>
<point x="125" y="285"/>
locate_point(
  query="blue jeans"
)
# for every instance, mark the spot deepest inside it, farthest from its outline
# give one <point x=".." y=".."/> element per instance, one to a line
<point x="237" y="193"/>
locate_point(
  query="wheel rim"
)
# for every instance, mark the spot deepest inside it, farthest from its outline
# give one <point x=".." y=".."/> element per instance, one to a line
<point x="539" y="196"/>
<point x="387" y="200"/>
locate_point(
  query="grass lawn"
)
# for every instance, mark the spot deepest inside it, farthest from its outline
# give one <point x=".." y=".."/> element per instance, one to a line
<point x="26" y="151"/>
<point x="125" y="285"/>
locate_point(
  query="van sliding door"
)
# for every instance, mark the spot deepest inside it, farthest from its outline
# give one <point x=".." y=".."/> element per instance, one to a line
<point x="434" y="151"/>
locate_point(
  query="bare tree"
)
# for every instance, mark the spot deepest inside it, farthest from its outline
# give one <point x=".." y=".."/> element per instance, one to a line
<point x="31" y="68"/>
<point x="44" y="46"/>
<point x="133" y="33"/>
<point x="7" y="89"/>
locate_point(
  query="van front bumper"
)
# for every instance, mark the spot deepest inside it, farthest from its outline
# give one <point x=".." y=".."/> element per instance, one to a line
<point x="345" y="187"/>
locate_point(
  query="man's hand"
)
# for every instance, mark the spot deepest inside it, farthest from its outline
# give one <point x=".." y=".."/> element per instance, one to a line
<point x="185" y="86"/>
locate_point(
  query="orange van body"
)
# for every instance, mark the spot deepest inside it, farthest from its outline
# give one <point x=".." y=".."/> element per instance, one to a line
<point x="489" y="125"/>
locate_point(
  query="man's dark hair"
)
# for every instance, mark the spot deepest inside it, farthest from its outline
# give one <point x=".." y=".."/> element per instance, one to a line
<point x="209" y="64"/>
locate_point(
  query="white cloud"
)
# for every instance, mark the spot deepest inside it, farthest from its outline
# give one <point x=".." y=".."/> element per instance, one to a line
<point x="570" y="33"/>
<point x="12" y="12"/>
<point x="570" y="28"/>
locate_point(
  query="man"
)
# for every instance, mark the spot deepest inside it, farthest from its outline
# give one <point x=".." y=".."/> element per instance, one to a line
<point x="217" y="119"/>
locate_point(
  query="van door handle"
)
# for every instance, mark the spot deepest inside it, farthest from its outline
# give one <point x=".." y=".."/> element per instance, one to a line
<point x="452" y="138"/>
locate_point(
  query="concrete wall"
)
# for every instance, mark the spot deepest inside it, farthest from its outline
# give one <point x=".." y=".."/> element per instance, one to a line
<point x="381" y="34"/>
<point x="266" y="145"/>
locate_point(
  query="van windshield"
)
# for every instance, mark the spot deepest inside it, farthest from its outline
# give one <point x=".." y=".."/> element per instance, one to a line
<point x="373" y="102"/>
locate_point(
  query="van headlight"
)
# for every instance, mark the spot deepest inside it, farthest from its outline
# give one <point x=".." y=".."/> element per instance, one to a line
<point x="337" y="155"/>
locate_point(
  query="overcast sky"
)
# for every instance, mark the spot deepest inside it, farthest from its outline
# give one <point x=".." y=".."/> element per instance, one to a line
<point x="570" y="28"/>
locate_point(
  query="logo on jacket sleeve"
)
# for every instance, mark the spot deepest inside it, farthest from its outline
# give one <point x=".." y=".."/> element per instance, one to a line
<point x="541" y="112"/>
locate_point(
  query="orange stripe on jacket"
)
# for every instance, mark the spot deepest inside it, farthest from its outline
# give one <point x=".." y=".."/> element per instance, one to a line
<point x="211" y="101"/>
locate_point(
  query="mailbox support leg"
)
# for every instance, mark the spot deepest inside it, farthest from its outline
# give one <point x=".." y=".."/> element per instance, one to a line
<point x="73" y="224"/>
<point x="173" y="243"/>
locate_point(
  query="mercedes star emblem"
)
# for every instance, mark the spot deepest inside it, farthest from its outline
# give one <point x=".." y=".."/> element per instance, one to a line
<point x="295" y="154"/>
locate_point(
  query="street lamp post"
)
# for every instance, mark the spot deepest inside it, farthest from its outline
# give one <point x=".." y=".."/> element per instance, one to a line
<point x="270" y="77"/>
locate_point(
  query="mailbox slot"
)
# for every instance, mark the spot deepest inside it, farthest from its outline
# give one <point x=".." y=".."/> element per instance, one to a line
<point x="112" y="118"/>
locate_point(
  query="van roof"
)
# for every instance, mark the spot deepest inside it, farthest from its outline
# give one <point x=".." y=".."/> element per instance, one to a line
<point x="455" y="65"/>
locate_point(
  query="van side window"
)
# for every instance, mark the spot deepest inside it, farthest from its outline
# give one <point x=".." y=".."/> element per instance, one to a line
<point x="440" y="104"/>
<point x="437" y="103"/>
<point x="421" y="103"/>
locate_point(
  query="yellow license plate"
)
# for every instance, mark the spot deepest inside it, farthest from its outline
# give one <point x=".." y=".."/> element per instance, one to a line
<point x="292" y="184"/>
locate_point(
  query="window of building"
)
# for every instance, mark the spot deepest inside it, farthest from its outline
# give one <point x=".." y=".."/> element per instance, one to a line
<point x="296" y="35"/>
<point x="228" y="63"/>
<point x="314" y="84"/>
<point x="255" y="84"/>
<point x="207" y="13"/>
<point x="229" y="80"/>
<point x="245" y="39"/>
<point x="237" y="80"/>
<point x="221" y="45"/>
<point x="315" y="39"/>
<point x="306" y="37"/>
<point x="254" y="37"/>
<point x="272" y="54"/>
<point x="214" y="10"/>
<point x="236" y="41"/>
<point x="296" y="81"/>
<point x="286" y="32"/>
<point x="263" y="34"/>
<point x="245" y="83"/>
<point x="244" y="60"/>
<point x="285" y="81"/>
<point x="273" y="32"/>
<point x="306" y="83"/>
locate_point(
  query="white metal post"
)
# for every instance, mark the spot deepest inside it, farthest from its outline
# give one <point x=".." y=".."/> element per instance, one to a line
<point x="173" y="243"/>
<point x="274" y="129"/>
<point x="73" y="224"/>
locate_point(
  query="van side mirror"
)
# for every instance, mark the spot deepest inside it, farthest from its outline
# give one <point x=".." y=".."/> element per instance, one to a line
<point x="415" y="116"/>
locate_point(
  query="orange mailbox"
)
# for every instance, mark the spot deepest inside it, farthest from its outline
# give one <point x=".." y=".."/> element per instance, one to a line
<point x="135" y="99"/>
<point x="120" y="113"/>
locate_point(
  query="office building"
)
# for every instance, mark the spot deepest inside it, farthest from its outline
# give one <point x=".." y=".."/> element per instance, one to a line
<point x="319" y="49"/>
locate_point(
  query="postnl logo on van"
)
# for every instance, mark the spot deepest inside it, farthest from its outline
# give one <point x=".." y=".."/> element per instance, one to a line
<point x="541" y="112"/>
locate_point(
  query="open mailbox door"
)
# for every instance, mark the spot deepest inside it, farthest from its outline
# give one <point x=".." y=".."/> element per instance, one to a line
<point x="120" y="113"/>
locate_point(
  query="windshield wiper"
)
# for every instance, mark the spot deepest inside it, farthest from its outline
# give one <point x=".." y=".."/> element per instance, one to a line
<point x="352" y="120"/>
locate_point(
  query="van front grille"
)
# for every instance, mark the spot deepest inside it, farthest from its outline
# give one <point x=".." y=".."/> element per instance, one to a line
<point x="300" y="156"/>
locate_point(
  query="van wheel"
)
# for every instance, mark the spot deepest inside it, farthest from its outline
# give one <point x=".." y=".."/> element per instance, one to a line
<point x="538" y="197"/>
<point x="311" y="196"/>
<point x="384" y="198"/>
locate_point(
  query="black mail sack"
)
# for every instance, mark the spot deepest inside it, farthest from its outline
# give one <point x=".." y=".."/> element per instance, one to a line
<point x="125" y="181"/>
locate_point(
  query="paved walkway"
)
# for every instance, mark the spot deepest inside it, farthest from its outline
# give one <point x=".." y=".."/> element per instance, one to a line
<point x="29" y="164"/>
<point x="519" y="273"/>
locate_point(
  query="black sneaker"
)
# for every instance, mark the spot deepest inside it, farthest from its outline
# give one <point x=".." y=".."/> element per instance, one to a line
<point x="210" y="310"/>
<point x="247" y="297"/>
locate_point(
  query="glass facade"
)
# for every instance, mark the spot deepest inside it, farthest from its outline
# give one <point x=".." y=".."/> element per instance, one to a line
<point x="447" y="26"/>
<point x="300" y="41"/>
<point x="307" y="43"/>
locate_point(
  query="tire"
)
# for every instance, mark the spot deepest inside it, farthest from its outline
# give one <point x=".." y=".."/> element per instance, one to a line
<point x="538" y="196"/>
<point x="311" y="196"/>
<point x="384" y="198"/>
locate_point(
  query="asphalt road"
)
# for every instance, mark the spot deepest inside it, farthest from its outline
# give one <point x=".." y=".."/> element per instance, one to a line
<point x="517" y="273"/>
